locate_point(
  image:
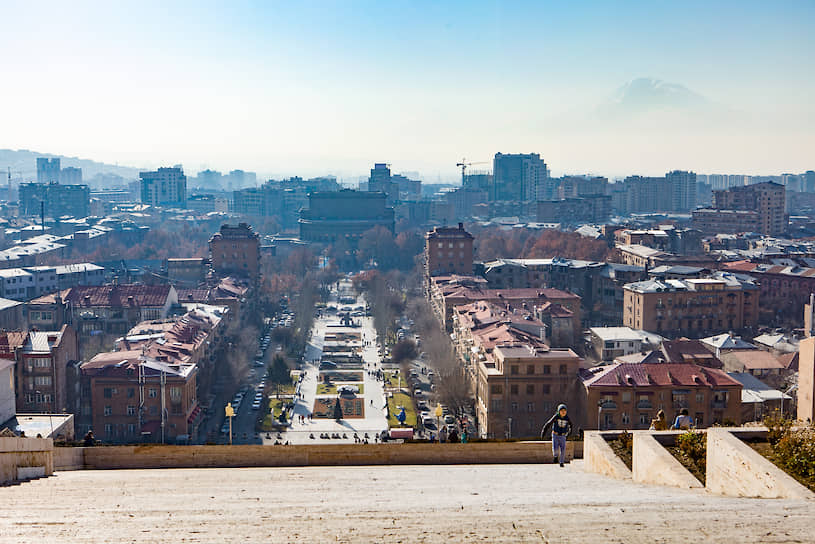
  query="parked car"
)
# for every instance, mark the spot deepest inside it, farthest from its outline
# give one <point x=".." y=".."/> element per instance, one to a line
<point x="418" y="393"/>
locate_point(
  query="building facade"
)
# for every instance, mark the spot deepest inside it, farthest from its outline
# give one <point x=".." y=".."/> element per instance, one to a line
<point x="697" y="306"/>
<point x="54" y="199"/>
<point x="344" y="214"/>
<point x="628" y="396"/>
<point x="449" y="250"/>
<point x="767" y="199"/>
<point x="235" y="249"/>
<point x="166" y="187"/>
<point x="520" y="177"/>
<point x="41" y="370"/>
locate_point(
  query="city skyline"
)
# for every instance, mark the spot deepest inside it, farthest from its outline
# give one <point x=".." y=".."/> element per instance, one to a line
<point x="319" y="89"/>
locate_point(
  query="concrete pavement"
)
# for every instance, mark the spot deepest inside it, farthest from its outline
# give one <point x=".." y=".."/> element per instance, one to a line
<point x="493" y="503"/>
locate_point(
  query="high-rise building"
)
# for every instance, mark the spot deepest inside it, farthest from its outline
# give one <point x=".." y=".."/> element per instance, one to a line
<point x="47" y="170"/>
<point x="164" y="187"/>
<point x="70" y="176"/>
<point x="768" y="199"/>
<point x="683" y="190"/>
<point x="381" y="181"/>
<point x="520" y="177"/>
<point x="808" y="181"/>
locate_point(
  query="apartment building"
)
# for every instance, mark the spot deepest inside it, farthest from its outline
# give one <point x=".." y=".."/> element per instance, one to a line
<point x="41" y="371"/>
<point x="449" y="250"/>
<point x="696" y="306"/>
<point x="235" y="249"/>
<point x="517" y="378"/>
<point x="628" y="395"/>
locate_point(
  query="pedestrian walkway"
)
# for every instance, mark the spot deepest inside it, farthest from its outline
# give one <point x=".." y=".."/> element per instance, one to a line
<point x="374" y="420"/>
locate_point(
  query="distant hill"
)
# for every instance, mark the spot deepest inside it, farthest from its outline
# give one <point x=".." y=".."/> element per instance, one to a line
<point x="23" y="164"/>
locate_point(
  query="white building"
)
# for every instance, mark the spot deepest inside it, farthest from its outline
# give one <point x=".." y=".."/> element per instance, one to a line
<point x="612" y="342"/>
<point x="17" y="284"/>
<point x="8" y="403"/>
<point x="165" y="187"/>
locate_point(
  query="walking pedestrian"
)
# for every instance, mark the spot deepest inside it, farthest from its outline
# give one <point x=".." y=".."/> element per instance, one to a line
<point x="561" y="427"/>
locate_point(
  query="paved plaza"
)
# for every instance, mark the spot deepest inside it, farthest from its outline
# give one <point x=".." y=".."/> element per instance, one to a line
<point x="374" y="420"/>
<point x="487" y="503"/>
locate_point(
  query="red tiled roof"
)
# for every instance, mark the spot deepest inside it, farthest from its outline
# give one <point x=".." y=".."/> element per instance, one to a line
<point x="789" y="360"/>
<point x="662" y="374"/>
<point x="689" y="351"/>
<point x="740" y="266"/>
<point x="118" y="296"/>
<point x="754" y="359"/>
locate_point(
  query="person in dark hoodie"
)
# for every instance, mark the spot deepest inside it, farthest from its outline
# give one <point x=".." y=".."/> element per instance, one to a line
<point x="561" y="427"/>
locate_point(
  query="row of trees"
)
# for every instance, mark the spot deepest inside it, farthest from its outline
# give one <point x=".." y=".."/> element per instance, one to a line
<point x="493" y="243"/>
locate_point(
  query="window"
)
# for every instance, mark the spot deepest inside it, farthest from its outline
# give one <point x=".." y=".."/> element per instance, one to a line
<point x="108" y="429"/>
<point x="547" y="369"/>
<point x="530" y="369"/>
<point x="131" y="429"/>
<point x="131" y="410"/>
<point x="42" y="380"/>
<point x="530" y="407"/>
<point x="700" y="419"/>
<point x="562" y="369"/>
<point x="530" y="389"/>
<point x="497" y="405"/>
<point x="175" y="394"/>
<point x="108" y="410"/>
<point x="153" y="410"/>
<point x="513" y="389"/>
<point x="514" y="406"/>
<point x="626" y="419"/>
<point x="643" y="419"/>
<point x="108" y="392"/>
<point x="152" y="392"/>
<point x="131" y="392"/>
<point x="495" y="390"/>
<point x="513" y="370"/>
<point x="626" y="396"/>
<point x="546" y="389"/>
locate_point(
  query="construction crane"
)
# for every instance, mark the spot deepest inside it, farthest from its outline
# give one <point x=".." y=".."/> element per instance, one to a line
<point x="464" y="164"/>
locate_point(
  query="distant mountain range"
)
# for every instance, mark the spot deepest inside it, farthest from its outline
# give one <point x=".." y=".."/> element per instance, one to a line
<point x="23" y="164"/>
<point x="647" y="96"/>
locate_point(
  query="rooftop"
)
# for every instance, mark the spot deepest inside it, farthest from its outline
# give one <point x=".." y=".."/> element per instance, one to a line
<point x="658" y="375"/>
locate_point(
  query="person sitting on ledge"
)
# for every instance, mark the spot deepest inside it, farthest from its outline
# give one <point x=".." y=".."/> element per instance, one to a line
<point x="683" y="420"/>
<point x="660" y="423"/>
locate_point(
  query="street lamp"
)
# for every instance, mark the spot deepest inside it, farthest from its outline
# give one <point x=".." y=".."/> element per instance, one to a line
<point x="791" y="388"/>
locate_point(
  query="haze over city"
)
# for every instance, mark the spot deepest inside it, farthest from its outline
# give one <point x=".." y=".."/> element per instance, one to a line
<point x="390" y="271"/>
<point x="328" y="88"/>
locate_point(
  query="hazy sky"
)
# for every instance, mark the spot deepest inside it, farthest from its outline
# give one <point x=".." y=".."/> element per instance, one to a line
<point x="331" y="87"/>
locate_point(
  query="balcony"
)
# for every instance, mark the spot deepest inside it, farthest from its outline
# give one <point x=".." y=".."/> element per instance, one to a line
<point x="718" y="405"/>
<point x="608" y="405"/>
<point x="645" y="405"/>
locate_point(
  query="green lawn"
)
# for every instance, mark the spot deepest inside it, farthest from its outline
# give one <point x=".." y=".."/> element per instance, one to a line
<point x="326" y="389"/>
<point x="392" y="379"/>
<point x="394" y="402"/>
<point x="283" y="389"/>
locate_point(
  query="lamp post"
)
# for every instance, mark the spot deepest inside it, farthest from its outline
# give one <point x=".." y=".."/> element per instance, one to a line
<point x="791" y="388"/>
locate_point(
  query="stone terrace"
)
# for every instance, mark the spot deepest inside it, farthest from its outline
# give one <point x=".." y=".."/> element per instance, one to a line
<point x="513" y="503"/>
